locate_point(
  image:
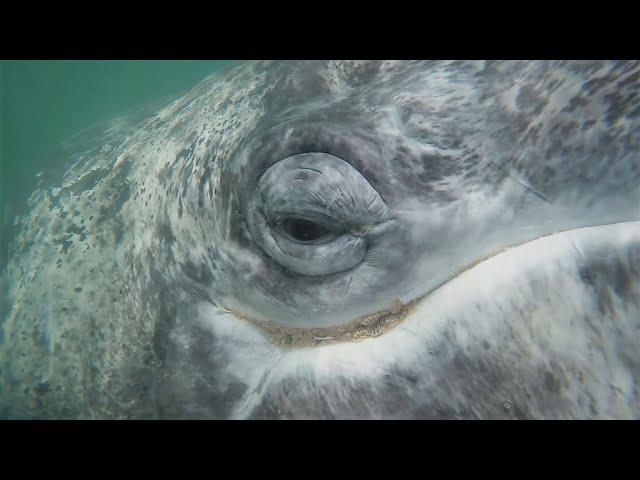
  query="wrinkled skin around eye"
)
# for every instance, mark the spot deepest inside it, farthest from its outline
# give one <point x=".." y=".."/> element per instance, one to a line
<point x="311" y="212"/>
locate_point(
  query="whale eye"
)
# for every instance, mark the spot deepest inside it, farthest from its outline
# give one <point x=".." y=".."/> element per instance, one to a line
<point x="306" y="231"/>
<point x="310" y="213"/>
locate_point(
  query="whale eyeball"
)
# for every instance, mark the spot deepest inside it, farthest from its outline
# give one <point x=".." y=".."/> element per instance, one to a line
<point x="306" y="231"/>
<point x="310" y="213"/>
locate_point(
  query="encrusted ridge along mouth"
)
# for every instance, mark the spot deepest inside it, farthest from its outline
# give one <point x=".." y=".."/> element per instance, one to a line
<point x="361" y="328"/>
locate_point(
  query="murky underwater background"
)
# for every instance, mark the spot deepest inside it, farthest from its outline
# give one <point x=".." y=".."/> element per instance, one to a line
<point x="44" y="103"/>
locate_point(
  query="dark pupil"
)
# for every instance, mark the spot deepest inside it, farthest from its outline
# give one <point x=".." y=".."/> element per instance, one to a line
<point x="304" y="230"/>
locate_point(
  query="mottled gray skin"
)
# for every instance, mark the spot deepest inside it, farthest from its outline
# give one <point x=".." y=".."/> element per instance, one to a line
<point x="128" y="278"/>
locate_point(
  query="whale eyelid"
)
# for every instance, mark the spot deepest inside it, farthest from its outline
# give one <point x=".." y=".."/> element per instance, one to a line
<point x="325" y="221"/>
<point x="309" y="168"/>
<point x="314" y="228"/>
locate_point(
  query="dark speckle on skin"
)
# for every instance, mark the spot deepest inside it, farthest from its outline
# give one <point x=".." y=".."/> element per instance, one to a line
<point x="78" y="289"/>
<point x="551" y="382"/>
<point x="43" y="388"/>
<point x="199" y="274"/>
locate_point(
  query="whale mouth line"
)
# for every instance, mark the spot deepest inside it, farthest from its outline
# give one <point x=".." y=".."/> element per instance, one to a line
<point x="378" y="323"/>
<point x="359" y="329"/>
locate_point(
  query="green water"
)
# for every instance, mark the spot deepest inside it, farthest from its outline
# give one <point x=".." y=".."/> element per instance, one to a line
<point x="42" y="103"/>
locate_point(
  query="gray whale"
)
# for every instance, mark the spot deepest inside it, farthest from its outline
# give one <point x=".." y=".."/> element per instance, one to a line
<point x="341" y="239"/>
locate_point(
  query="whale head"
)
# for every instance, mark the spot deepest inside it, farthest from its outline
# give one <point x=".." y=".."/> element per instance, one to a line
<point x="394" y="239"/>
